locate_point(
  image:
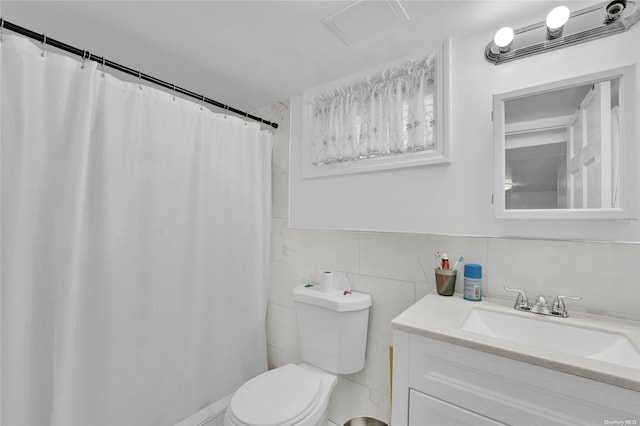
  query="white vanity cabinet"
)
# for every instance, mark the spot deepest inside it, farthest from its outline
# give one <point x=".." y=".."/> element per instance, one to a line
<point x="440" y="383"/>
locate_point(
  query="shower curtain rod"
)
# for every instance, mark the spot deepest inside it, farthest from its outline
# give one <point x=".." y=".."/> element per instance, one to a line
<point x="105" y="62"/>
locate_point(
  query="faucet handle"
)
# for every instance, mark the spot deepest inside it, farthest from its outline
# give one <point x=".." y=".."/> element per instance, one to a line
<point x="559" y="307"/>
<point x="522" y="302"/>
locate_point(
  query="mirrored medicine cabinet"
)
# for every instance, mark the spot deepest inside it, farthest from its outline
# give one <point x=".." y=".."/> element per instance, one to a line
<point x="568" y="149"/>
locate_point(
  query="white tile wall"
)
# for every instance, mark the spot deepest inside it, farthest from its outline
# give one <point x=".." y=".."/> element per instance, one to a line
<point x="606" y="275"/>
<point x="397" y="270"/>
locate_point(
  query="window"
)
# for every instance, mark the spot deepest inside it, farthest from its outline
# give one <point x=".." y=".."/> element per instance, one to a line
<point x="389" y="118"/>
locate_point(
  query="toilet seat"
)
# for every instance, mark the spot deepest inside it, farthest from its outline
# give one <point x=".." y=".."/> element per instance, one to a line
<point x="279" y="397"/>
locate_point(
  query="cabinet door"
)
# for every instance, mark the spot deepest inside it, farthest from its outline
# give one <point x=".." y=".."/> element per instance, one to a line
<point x="513" y="392"/>
<point x="425" y="411"/>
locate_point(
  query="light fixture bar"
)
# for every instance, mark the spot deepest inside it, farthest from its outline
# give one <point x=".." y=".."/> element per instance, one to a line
<point x="581" y="26"/>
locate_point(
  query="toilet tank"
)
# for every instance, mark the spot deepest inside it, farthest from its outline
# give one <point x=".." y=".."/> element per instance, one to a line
<point x="332" y="327"/>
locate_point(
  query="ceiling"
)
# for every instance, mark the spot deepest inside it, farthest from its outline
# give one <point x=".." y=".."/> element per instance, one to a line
<point x="249" y="54"/>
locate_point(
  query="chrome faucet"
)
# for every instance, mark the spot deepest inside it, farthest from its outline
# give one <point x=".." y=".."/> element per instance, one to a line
<point x="541" y="307"/>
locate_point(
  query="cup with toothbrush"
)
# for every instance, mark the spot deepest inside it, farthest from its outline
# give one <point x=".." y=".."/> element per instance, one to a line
<point x="445" y="275"/>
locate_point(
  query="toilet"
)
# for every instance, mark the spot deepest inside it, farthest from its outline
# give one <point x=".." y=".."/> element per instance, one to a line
<point x="332" y="327"/>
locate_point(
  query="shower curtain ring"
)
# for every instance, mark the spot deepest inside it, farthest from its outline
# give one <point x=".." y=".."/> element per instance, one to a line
<point x="1" y="29"/>
<point x="174" y="92"/>
<point x="202" y="106"/>
<point x="140" y="80"/>
<point x="85" y="55"/>
<point x="43" y="42"/>
<point x="103" y="71"/>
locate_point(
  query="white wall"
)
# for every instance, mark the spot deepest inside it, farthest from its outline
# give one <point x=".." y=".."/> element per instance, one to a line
<point x="455" y="199"/>
<point x="397" y="268"/>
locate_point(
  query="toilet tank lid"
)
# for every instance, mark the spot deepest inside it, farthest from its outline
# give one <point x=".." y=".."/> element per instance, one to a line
<point x="335" y="300"/>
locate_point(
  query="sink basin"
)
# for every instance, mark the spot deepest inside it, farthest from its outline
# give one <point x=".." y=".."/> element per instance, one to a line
<point x="549" y="334"/>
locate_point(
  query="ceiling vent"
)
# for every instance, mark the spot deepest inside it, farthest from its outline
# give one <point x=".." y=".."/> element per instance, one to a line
<point x="364" y="18"/>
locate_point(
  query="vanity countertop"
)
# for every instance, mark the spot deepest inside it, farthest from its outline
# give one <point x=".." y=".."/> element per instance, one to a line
<point x="442" y="318"/>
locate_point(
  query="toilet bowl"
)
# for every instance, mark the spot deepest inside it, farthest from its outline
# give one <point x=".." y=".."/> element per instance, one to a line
<point x="332" y="329"/>
<point x="288" y="395"/>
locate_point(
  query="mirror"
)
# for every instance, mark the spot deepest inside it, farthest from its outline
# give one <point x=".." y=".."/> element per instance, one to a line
<point x="567" y="150"/>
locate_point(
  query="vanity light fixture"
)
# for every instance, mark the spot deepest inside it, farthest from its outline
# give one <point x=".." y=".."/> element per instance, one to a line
<point x="563" y="28"/>
<point x="556" y="20"/>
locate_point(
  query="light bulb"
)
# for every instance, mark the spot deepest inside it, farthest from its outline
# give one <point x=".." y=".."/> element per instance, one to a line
<point x="614" y="10"/>
<point x="557" y="18"/>
<point x="503" y="38"/>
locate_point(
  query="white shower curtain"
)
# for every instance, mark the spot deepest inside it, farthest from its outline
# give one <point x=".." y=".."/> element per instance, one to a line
<point x="135" y="235"/>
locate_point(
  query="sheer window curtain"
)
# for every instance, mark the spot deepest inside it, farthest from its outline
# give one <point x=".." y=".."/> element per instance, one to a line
<point x="135" y="237"/>
<point x="387" y="114"/>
